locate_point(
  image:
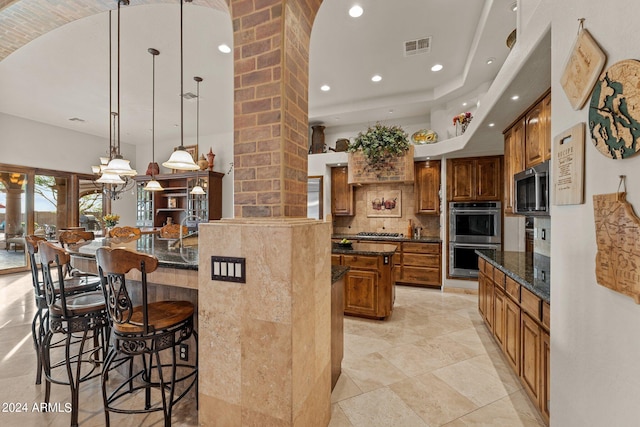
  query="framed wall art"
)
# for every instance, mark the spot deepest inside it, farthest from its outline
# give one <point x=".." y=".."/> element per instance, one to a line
<point x="384" y="203"/>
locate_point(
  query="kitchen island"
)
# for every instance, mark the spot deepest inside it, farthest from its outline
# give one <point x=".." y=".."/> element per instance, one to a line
<point x="369" y="289"/>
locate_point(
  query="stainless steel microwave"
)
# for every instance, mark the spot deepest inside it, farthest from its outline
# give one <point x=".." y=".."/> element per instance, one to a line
<point x="531" y="188"/>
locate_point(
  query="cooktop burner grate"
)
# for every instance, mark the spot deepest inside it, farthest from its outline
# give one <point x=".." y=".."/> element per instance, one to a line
<point x="374" y="234"/>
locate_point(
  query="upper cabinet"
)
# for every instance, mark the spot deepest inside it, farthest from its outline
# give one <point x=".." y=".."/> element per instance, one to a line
<point x="176" y="201"/>
<point x="538" y="132"/>
<point x="342" y="203"/>
<point x="513" y="162"/>
<point x="427" y="187"/>
<point x="526" y="143"/>
<point x="475" y="178"/>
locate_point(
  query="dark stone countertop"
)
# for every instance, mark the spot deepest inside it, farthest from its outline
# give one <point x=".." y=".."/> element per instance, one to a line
<point x="364" y="249"/>
<point x="338" y="272"/>
<point x="168" y="256"/>
<point x="523" y="267"/>
<point x="424" y="239"/>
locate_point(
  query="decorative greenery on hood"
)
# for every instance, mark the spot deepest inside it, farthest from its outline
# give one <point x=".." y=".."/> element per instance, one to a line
<point x="381" y="143"/>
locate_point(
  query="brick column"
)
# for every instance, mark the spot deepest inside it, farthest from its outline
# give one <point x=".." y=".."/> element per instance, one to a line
<point x="271" y="77"/>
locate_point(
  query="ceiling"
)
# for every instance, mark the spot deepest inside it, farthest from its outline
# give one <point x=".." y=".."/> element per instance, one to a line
<point x="64" y="73"/>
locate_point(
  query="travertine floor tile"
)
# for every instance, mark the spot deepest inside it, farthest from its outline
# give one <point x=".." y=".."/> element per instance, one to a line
<point x="338" y="418"/>
<point x="432" y="399"/>
<point x="344" y="389"/>
<point x="478" y="385"/>
<point x="372" y="371"/>
<point x="380" y="408"/>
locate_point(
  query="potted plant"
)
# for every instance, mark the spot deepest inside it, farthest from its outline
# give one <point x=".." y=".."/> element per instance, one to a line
<point x="381" y="143"/>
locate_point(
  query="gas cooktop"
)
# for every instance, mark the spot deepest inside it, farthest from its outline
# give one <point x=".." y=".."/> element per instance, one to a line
<point x="374" y="234"/>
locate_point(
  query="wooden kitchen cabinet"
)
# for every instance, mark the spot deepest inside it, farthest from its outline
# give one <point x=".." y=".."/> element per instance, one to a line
<point x="530" y="356"/>
<point x="342" y="196"/>
<point x="427" y="187"/>
<point x="513" y="163"/>
<point x="538" y="132"/>
<point x="420" y="264"/>
<point x="177" y="202"/>
<point x="519" y="321"/>
<point x="369" y="287"/>
<point x="474" y="178"/>
<point x="511" y="343"/>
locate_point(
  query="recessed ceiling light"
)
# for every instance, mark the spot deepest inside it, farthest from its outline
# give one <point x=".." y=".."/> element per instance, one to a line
<point x="464" y="104"/>
<point x="515" y="97"/>
<point x="339" y="164"/>
<point x="376" y="78"/>
<point x="428" y="158"/>
<point x="356" y="11"/>
<point x="437" y="67"/>
<point x="390" y="111"/>
<point x="490" y="61"/>
<point x="514" y="7"/>
<point x="76" y="119"/>
<point x="325" y="88"/>
<point x="491" y="125"/>
<point x="224" y="48"/>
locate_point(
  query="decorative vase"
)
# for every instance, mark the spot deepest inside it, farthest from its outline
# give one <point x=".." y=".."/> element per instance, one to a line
<point x="202" y="162"/>
<point x="317" y="139"/>
<point x="210" y="157"/>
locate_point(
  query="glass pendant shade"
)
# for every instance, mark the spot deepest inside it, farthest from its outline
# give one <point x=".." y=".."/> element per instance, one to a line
<point x="181" y="160"/>
<point x="96" y="169"/>
<point x="197" y="190"/>
<point x="153" y="185"/>
<point x="120" y="166"/>
<point x="110" y="178"/>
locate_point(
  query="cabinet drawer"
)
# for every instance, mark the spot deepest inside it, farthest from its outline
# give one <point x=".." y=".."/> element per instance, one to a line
<point x="421" y="248"/>
<point x="498" y="278"/>
<point x="421" y="275"/>
<point x="546" y="315"/>
<point x="513" y="288"/>
<point x="336" y="259"/>
<point x="488" y="271"/>
<point x="530" y="303"/>
<point x="360" y="261"/>
<point x="421" y="260"/>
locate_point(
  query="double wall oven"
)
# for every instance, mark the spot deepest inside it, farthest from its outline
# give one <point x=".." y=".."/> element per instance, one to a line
<point x="472" y="226"/>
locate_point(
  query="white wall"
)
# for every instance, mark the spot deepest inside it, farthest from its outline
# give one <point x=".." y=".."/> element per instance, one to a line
<point x="594" y="331"/>
<point x="34" y="144"/>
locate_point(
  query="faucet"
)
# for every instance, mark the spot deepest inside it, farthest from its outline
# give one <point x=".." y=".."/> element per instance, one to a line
<point x="182" y="224"/>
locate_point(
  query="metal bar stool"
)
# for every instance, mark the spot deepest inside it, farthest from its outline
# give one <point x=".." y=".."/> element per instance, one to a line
<point x="81" y="318"/>
<point x="73" y="285"/>
<point x="148" y="332"/>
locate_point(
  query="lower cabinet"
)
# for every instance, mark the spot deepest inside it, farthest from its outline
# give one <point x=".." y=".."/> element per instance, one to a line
<point x="369" y="288"/>
<point x="530" y="350"/>
<point x="361" y="293"/>
<point x="420" y="264"/>
<point x="519" y="321"/>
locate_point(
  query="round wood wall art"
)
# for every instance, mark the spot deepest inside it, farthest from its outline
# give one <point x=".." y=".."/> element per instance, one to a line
<point x="614" y="112"/>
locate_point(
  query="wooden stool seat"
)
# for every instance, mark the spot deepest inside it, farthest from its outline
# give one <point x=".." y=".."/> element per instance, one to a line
<point x="80" y="304"/>
<point x="125" y="231"/>
<point x="162" y="315"/>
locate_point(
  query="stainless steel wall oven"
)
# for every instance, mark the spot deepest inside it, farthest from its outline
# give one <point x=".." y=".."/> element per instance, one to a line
<point x="472" y="225"/>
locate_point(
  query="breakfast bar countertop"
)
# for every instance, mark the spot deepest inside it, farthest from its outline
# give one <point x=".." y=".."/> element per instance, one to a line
<point x="522" y="267"/>
<point x="168" y="256"/>
<point x="391" y="239"/>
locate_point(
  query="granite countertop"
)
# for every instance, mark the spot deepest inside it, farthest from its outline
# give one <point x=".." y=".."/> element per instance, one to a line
<point x="168" y="256"/>
<point x="424" y="239"/>
<point x="364" y="249"/>
<point x="523" y="267"/>
<point x="338" y="271"/>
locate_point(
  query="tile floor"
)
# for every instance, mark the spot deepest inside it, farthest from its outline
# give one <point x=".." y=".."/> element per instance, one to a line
<point x="432" y="364"/>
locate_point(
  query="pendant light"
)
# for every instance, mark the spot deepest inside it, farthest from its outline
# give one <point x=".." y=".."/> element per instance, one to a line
<point x="180" y="159"/>
<point x="153" y="185"/>
<point x="118" y="165"/>
<point x="197" y="190"/>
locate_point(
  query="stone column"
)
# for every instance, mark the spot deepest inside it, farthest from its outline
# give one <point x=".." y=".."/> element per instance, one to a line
<point x="271" y="59"/>
<point x="265" y="345"/>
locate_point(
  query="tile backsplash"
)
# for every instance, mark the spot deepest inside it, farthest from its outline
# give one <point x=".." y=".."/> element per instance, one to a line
<point x="360" y="222"/>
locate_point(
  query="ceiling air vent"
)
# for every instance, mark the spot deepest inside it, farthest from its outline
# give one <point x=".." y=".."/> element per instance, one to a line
<point x="415" y="47"/>
<point x="189" y="95"/>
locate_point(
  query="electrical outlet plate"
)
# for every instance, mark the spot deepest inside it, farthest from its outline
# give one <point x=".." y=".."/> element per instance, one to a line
<point x="184" y="352"/>
<point x="229" y="269"/>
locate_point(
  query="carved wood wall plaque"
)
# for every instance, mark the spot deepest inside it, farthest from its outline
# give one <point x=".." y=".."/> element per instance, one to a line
<point x="618" y="241"/>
